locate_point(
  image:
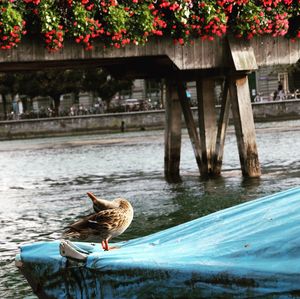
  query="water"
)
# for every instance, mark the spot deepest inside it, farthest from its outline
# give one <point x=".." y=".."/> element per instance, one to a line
<point x="43" y="185"/>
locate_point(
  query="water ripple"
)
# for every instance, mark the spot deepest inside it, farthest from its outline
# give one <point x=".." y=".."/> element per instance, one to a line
<point x="44" y="185"/>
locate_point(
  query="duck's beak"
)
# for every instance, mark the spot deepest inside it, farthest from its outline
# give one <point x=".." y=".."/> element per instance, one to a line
<point x="102" y="204"/>
<point x="92" y="197"/>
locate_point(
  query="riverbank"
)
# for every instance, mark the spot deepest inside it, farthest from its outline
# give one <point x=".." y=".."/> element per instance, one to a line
<point x="133" y="121"/>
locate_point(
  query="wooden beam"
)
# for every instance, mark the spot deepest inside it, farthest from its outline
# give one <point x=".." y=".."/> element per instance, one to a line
<point x="190" y="123"/>
<point x="244" y="125"/>
<point x="242" y="54"/>
<point x="222" y="128"/>
<point x="207" y="123"/>
<point x="158" y="56"/>
<point x="172" y="132"/>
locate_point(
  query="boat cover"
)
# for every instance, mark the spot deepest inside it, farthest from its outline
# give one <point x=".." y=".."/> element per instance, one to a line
<point x="249" y="250"/>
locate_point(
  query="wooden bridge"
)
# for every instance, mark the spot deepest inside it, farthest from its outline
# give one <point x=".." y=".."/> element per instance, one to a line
<point x="203" y="61"/>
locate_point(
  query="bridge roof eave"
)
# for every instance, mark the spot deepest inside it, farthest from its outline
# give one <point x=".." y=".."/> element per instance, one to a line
<point x="158" y="57"/>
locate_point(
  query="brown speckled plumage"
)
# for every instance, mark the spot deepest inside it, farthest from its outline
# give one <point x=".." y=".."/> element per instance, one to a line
<point x="111" y="218"/>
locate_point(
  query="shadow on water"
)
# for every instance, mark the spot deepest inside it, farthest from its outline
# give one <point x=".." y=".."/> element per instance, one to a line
<point x="193" y="197"/>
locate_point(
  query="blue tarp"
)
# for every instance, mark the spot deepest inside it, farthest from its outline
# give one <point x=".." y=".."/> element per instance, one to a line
<point x="249" y="250"/>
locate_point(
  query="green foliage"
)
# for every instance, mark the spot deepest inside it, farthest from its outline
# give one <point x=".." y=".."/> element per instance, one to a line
<point x="49" y="15"/>
<point x="140" y="24"/>
<point x="11" y="26"/>
<point x="117" y="18"/>
<point x="56" y="82"/>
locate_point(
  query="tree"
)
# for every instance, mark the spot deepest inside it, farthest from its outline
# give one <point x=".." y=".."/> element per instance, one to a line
<point x="50" y="83"/>
<point x="101" y="83"/>
<point x="8" y="85"/>
<point x="55" y="82"/>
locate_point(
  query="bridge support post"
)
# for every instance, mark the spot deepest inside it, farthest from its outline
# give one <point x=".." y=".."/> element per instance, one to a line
<point x="207" y="124"/>
<point x="172" y="132"/>
<point x="222" y="128"/>
<point x="244" y="125"/>
<point x="190" y="123"/>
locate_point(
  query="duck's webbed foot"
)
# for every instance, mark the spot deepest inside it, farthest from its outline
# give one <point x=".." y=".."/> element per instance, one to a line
<point x="104" y="244"/>
<point x="106" y="247"/>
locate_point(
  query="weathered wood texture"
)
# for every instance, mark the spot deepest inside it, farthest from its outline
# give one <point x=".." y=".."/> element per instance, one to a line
<point x="182" y="57"/>
<point x="207" y="123"/>
<point x="222" y="128"/>
<point x="242" y="54"/>
<point x="190" y="124"/>
<point x="172" y="132"/>
<point x="275" y="51"/>
<point x="198" y="56"/>
<point x="244" y="125"/>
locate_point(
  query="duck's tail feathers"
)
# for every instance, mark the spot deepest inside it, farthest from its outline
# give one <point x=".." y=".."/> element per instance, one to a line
<point x="58" y="231"/>
<point x="72" y="233"/>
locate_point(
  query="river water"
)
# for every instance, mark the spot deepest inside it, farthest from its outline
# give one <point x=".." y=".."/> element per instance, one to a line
<point x="43" y="184"/>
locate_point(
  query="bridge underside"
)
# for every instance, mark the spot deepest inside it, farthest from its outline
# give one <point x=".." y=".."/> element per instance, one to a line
<point x="136" y="66"/>
<point x="146" y="67"/>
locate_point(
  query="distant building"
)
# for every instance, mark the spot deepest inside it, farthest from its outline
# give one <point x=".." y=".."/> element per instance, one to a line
<point x="144" y="90"/>
<point x="263" y="83"/>
<point x="266" y="80"/>
<point x="42" y="106"/>
<point x="66" y="102"/>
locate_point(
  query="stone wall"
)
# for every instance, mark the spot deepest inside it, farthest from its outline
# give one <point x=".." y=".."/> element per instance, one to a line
<point x="276" y="110"/>
<point x="87" y="124"/>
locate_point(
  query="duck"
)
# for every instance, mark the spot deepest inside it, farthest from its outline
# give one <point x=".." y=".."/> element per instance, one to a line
<point x="109" y="220"/>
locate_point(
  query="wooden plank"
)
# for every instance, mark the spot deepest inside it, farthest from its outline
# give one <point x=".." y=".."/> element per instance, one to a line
<point x="242" y="54"/>
<point x="284" y="51"/>
<point x="207" y="123"/>
<point x="209" y="53"/>
<point x="222" y="128"/>
<point x="172" y="133"/>
<point x="276" y="58"/>
<point x="189" y="57"/>
<point x="244" y="125"/>
<point x="265" y="50"/>
<point x="197" y="55"/>
<point x="190" y="123"/>
<point x="273" y="51"/>
<point x="202" y="55"/>
<point x="268" y="51"/>
<point x="175" y="53"/>
<point x="294" y="52"/>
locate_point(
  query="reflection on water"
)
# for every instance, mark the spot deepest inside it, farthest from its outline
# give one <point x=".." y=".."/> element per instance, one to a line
<point x="43" y="185"/>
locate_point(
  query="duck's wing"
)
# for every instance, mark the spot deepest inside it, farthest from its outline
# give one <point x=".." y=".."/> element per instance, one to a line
<point x="107" y="219"/>
<point x="79" y="228"/>
<point x="97" y="223"/>
<point x="82" y="223"/>
<point x="100" y="204"/>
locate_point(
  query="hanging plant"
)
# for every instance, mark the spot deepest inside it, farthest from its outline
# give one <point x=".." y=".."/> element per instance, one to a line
<point x="208" y="20"/>
<point x="51" y="27"/>
<point x="139" y="25"/>
<point x="262" y="17"/>
<point x="249" y="20"/>
<point x="11" y="26"/>
<point x="82" y="26"/>
<point x="120" y="22"/>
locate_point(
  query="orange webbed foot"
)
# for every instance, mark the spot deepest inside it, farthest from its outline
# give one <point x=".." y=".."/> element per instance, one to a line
<point x="106" y="247"/>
